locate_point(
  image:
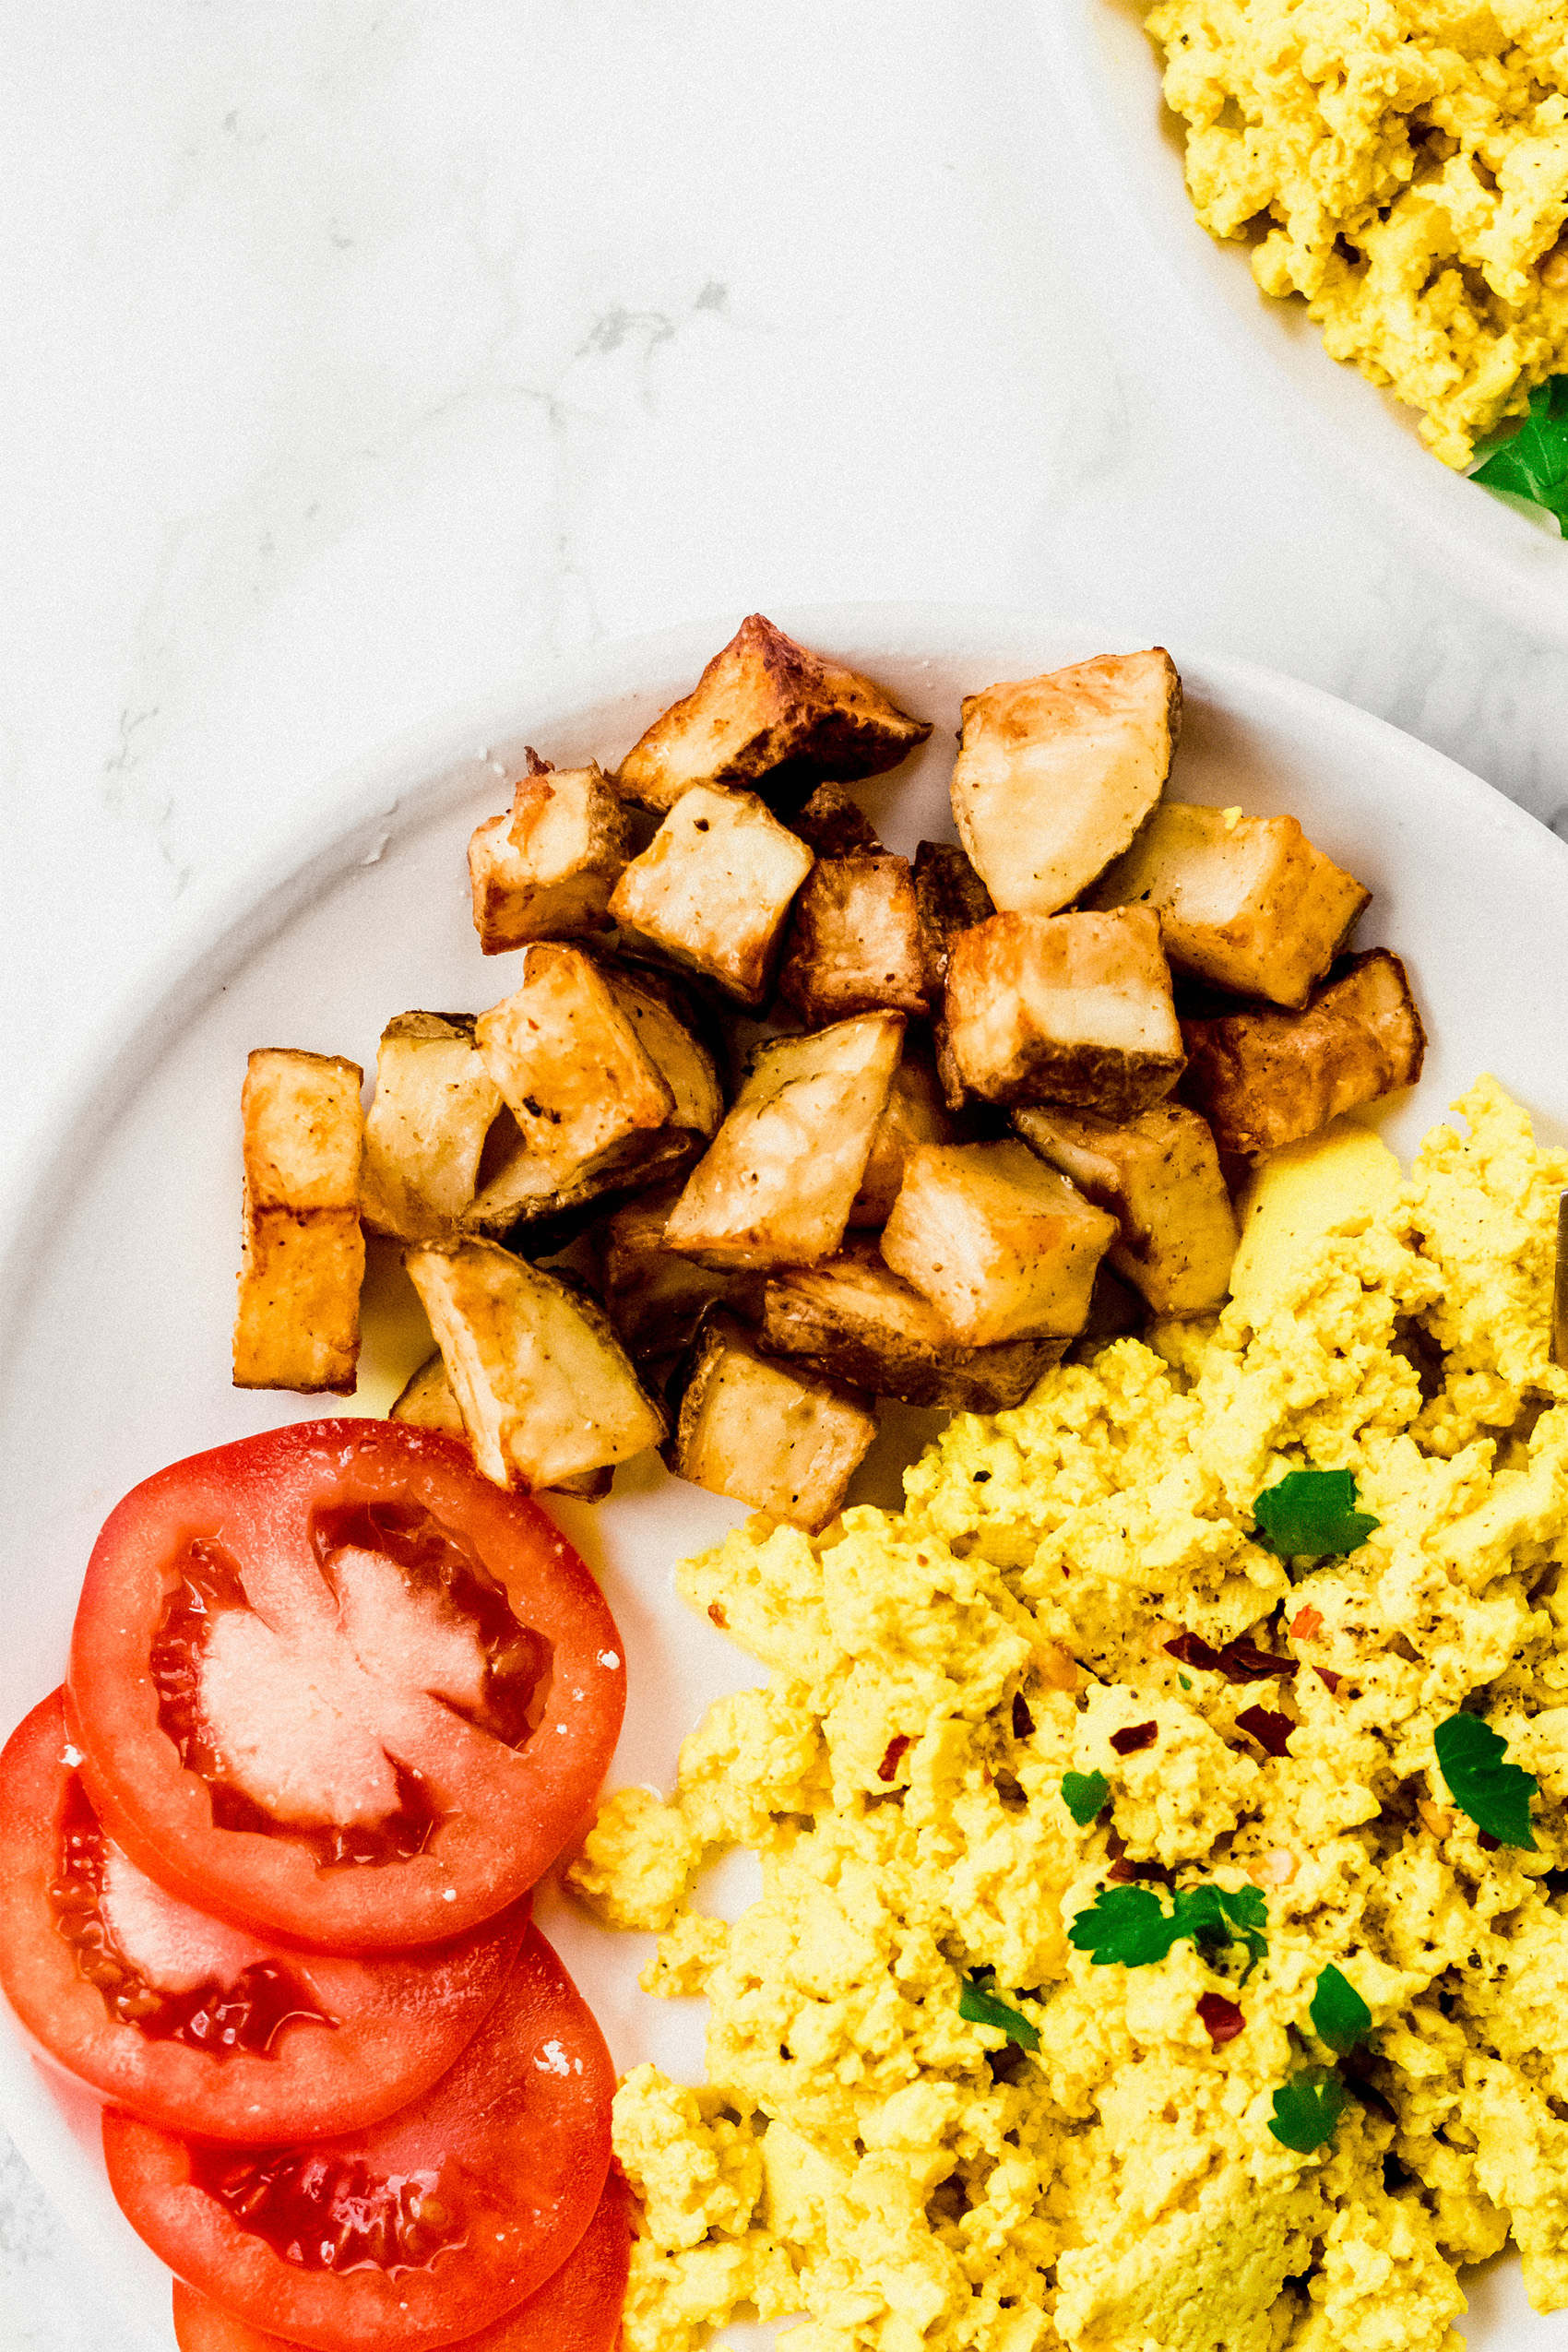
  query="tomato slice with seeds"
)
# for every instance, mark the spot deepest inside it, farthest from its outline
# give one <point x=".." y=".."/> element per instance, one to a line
<point x="576" y="2309"/>
<point x="418" y="2230"/>
<point x="192" y="2022"/>
<point x="330" y="1682"/>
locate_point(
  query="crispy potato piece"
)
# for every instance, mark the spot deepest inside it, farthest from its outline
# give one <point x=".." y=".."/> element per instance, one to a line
<point x="663" y="1026"/>
<point x="713" y="888"/>
<point x="766" y="711"/>
<point x="779" y="1180"/>
<point x="426" y="1130"/>
<point x="546" y="1391"/>
<point x="915" y="1113"/>
<point x="1263" y="1078"/>
<point x="854" y="942"/>
<point x="781" y="1440"/>
<point x="1243" y="901"/>
<point x="853" y="1319"/>
<point x="832" y="825"/>
<point x="655" y="1297"/>
<point x="545" y="870"/>
<point x="297" y="1324"/>
<point x="569" y="1062"/>
<point x="1003" y="1246"/>
<point x="519" y="1190"/>
<point x="1064" y="1008"/>
<point x="427" y="1402"/>
<point x="949" y="897"/>
<point x="1055" y="774"/>
<point x="1159" y="1176"/>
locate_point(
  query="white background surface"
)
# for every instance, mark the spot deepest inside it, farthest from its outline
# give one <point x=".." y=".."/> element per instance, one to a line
<point x="360" y="361"/>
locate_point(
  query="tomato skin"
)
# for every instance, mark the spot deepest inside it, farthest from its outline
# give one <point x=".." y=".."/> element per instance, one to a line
<point x="525" y="2134"/>
<point x="398" y="2022"/>
<point x="508" y="1811"/>
<point x="576" y="2309"/>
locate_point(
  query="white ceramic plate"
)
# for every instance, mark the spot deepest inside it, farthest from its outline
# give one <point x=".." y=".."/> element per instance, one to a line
<point x="1107" y="73"/>
<point x="118" y="1282"/>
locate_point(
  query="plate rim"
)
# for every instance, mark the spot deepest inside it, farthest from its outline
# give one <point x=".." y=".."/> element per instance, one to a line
<point x="1494" y="560"/>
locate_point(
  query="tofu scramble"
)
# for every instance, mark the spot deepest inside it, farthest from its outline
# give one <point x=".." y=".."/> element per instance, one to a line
<point x="1102" y="2171"/>
<point x="1402" y="165"/>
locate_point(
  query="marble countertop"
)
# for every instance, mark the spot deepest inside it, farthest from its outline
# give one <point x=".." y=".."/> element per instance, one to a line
<point x="362" y="361"/>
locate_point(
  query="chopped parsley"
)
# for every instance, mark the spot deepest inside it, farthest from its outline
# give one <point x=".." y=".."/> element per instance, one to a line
<point x="1307" y="2108"/>
<point x="978" y="2006"/>
<point x="1340" y="2017"/>
<point x="1495" y="1795"/>
<point x="1084" y="1793"/>
<point x="1534" y="463"/>
<point x="1130" y="1924"/>
<point x="1311" y="1513"/>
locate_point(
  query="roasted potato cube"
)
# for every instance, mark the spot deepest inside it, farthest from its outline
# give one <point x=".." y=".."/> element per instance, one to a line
<point x="569" y="1062"/>
<point x="426" y="1130"/>
<point x="832" y="825"/>
<point x="521" y="1190"/>
<point x="915" y="1113"/>
<point x="546" y="1391"/>
<point x="764" y="1434"/>
<point x="655" y="1297"/>
<point x="854" y="942"/>
<point x="767" y="712"/>
<point x="297" y="1324"/>
<point x="1055" y="774"/>
<point x="1159" y="1175"/>
<point x="546" y="870"/>
<point x="1243" y="901"/>
<point x="778" y="1182"/>
<point x="427" y="1402"/>
<point x="1263" y="1078"/>
<point x="713" y="888"/>
<point x="1003" y="1246"/>
<point x="949" y="897"/>
<point x="1064" y="1008"/>
<point x="853" y="1319"/>
<point x="664" y="1029"/>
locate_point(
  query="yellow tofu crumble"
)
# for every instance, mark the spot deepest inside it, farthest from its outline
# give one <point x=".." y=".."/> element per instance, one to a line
<point x="1104" y="2175"/>
<point x="1403" y="167"/>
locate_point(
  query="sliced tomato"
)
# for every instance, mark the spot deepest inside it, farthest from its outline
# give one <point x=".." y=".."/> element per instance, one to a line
<point x="194" y="2023"/>
<point x="417" y="2229"/>
<point x="576" y="2309"/>
<point x="331" y="1682"/>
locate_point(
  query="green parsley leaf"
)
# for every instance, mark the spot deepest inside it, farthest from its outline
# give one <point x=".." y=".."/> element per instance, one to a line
<point x="1084" y="1793"/>
<point x="1307" y="2108"/>
<point x="1495" y="1795"/>
<point x="1533" y="464"/>
<point x="979" y="2006"/>
<point x="1340" y="2017"/>
<point x="1311" y="1512"/>
<point x="1130" y="1924"/>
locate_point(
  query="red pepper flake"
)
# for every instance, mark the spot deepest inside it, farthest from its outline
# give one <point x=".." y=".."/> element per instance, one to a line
<point x="1238" y="1661"/>
<point x="1304" y="1624"/>
<point x="1270" y="1730"/>
<point x="716" y="1614"/>
<point x="1023" y="1721"/>
<point x="1222" y="2018"/>
<point x="1486" y="1842"/>
<point x="1137" y="1735"/>
<point x="1125" y="1873"/>
<point x="1326" y="1676"/>
<point x="895" y="1756"/>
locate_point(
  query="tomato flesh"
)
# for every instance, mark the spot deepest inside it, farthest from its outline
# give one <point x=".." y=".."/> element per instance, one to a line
<point x="419" y="2230"/>
<point x="576" y="2309"/>
<point x="331" y="1682"/>
<point x="192" y="2022"/>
